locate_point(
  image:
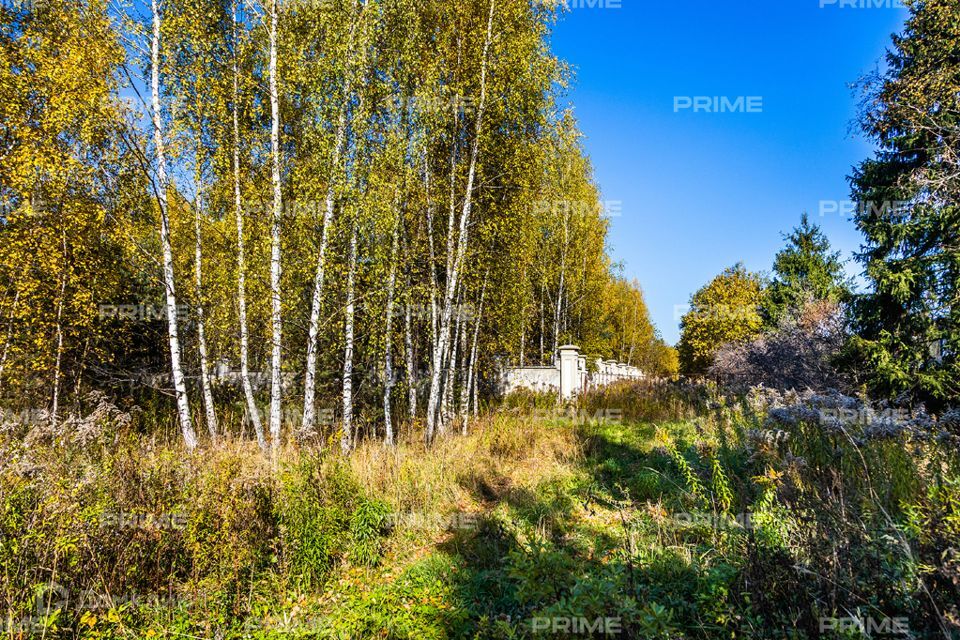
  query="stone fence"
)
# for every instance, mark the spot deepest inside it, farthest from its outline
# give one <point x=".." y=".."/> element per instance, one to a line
<point x="568" y="375"/>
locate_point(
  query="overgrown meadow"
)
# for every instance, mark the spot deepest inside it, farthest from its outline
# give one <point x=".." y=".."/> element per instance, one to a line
<point x="652" y="510"/>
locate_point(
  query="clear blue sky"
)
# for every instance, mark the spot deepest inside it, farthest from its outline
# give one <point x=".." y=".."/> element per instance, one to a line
<point x="701" y="191"/>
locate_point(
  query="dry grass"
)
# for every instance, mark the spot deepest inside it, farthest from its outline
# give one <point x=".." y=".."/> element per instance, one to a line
<point x="460" y="473"/>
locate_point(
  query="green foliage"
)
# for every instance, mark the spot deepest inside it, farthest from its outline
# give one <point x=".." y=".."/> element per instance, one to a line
<point x="725" y="310"/>
<point x="368" y="524"/>
<point x="803" y="271"/>
<point x="720" y="486"/>
<point x="907" y="210"/>
<point x="781" y="531"/>
<point x="692" y="480"/>
<point x="324" y="519"/>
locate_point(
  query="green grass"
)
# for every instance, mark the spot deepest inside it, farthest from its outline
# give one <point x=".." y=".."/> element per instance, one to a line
<point x="669" y="523"/>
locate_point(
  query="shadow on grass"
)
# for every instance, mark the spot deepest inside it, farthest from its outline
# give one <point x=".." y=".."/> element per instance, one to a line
<point x="582" y="549"/>
<point x="537" y="567"/>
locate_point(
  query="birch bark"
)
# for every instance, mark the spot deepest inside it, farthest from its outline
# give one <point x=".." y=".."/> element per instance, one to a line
<point x="179" y="383"/>
<point x="276" y="310"/>
<point x="451" y="285"/>
<point x="209" y="410"/>
<point x="252" y="411"/>
<point x="346" y="439"/>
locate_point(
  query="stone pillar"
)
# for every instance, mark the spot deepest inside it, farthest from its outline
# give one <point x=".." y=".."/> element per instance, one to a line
<point x="582" y="373"/>
<point x="569" y="375"/>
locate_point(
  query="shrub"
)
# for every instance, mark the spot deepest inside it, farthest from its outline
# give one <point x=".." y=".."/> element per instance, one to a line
<point x="798" y="354"/>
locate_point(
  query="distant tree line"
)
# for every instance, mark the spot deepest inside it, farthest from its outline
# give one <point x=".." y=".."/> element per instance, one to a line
<point x="900" y="338"/>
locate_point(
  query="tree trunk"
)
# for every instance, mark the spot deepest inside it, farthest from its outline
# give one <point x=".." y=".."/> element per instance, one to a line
<point x="346" y="438"/>
<point x="208" y="407"/>
<point x="433" y="258"/>
<point x="563" y="265"/>
<point x="450" y="375"/>
<point x="540" y="358"/>
<point x="465" y="400"/>
<point x="443" y="347"/>
<point x="523" y="315"/>
<point x="179" y="384"/>
<point x="252" y="409"/>
<point x="408" y="347"/>
<point x="310" y="376"/>
<point x="475" y="404"/>
<point x="388" y="353"/>
<point x="9" y="336"/>
<point x="276" y="388"/>
<point x="451" y="285"/>
<point x="59" y="359"/>
<point x="309" y="383"/>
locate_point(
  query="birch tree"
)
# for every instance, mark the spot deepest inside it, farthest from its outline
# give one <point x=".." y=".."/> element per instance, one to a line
<point x="162" y="184"/>
<point x="309" y="385"/>
<point x="346" y="438"/>
<point x="276" y="315"/>
<point x="388" y="346"/>
<point x="251" y="406"/>
<point x="208" y="407"/>
<point x="444" y="335"/>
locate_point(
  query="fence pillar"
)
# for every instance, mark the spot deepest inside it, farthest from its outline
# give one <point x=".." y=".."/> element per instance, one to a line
<point x="569" y="374"/>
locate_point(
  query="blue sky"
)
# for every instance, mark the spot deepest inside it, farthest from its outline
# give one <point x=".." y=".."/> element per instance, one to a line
<point x="701" y="191"/>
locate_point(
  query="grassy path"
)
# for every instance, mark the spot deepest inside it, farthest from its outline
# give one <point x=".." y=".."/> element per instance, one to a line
<point x="581" y="549"/>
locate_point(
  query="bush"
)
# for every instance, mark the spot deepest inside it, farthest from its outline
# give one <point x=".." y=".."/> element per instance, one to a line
<point x="798" y="354"/>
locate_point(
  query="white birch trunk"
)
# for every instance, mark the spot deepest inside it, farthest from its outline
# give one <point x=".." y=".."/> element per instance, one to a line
<point x="475" y="405"/>
<point x="471" y="365"/>
<point x="451" y="285"/>
<point x="276" y="389"/>
<point x="310" y="376"/>
<point x="179" y="384"/>
<point x="309" y="384"/>
<point x="388" y="341"/>
<point x="59" y="360"/>
<point x="308" y="422"/>
<point x="542" y="315"/>
<point x="450" y="376"/>
<point x="208" y="407"/>
<point x="346" y="438"/>
<point x="252" y="410"/>
<point x="433" y="258"/>
<point x="408" y="347"/>
<point x="442" y="347"/>
<point x="523" y="315"/>
<point x="9" y="336"/>
<point x="563" y="266"/>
